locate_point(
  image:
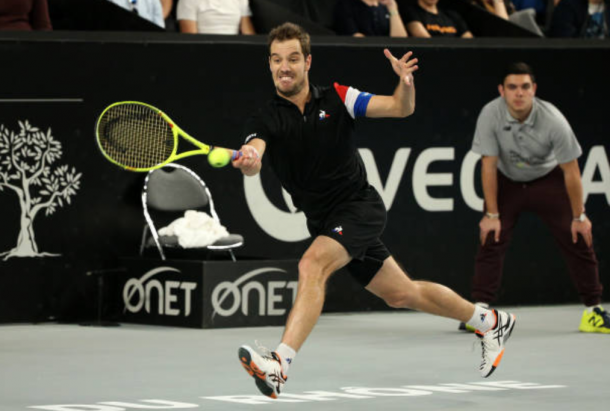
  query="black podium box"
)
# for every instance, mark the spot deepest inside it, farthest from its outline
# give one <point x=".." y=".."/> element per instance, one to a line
<point x="207" y="294"/>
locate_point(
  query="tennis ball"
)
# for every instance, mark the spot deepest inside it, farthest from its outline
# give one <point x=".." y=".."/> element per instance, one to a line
<point x="219" y="157"/>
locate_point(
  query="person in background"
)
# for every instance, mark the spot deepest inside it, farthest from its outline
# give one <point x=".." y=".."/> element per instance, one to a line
<point x="151" y="10"/>
<point x="505" y="9"/>
<point x="169" y="16"/>
<point x="211" y="17"/>
<point x="539" y="5"/>
<point x="24" y="15"/>
<point x="426" y="19"/>
<point x="581" y="19"/>
<point x="360" y="18"/>
<point x="529" y="163"/>
<point x="543" y="9"/>
<point x="166" y="7"/>
<point x="500" y="8"/>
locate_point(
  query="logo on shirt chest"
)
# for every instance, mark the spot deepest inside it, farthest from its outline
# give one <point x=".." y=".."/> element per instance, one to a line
<point x="323" y="115"/>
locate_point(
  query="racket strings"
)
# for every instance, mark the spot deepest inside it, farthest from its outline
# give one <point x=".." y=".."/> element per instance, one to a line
<point x="135" y="136"/>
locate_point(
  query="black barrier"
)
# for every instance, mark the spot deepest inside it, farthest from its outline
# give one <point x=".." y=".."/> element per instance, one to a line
<point x="80" y="213"/>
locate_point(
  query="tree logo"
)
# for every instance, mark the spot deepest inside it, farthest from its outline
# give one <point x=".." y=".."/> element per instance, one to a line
<point x="26" y="160"/>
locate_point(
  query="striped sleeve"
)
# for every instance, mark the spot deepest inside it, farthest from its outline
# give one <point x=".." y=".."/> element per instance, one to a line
<point x="355" y="101"/>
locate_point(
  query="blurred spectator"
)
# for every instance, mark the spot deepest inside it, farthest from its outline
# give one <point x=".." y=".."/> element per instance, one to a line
<point x="426" y="19"/>
<point x="215" y="17"/>
<point x="24" y="15"/>
<point x="150" y="10"/>
<point x="169" y="15"/>
<point x="581" y="18"/>
<point x="539" y="6"/>
<point x="505" y="9"/>
<point x="501" y="8"/>
<point x="360" y="18"/>
<point x="166" y="7"/>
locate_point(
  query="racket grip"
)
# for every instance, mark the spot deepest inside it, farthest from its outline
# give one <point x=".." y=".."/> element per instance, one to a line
<point x="236" y="155"/>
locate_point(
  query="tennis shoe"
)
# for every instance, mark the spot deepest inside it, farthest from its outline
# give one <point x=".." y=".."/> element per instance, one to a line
<point x="597" y="321"/>
<point x="493" y="341"/>
<point x="266" y="370"/>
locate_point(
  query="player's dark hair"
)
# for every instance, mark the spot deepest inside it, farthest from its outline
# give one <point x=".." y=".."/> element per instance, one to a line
<point x="517" y="68"/>
<point x="291" y="31"/>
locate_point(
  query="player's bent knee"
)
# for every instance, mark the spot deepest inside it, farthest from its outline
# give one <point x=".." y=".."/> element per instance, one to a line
<point x="311" y="270"/>
<point x="307" y="265"/>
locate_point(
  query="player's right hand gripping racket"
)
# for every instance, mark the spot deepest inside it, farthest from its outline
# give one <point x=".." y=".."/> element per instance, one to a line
<point x="139" y="137"/>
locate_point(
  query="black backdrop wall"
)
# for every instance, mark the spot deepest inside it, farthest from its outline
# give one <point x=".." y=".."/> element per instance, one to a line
<point x="57" y="84"/>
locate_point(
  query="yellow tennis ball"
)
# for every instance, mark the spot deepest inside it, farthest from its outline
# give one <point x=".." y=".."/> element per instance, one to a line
<point x="219" y="157"/>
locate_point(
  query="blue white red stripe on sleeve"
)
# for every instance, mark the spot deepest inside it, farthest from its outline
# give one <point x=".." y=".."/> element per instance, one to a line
<point x="355" y="101"/>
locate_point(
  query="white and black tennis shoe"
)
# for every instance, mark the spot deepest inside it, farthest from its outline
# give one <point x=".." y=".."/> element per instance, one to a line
<point x="493" y="341"/>
<point x="266" y="370"/>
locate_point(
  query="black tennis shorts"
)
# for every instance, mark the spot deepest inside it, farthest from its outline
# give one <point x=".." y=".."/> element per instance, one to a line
<point x="357" y="225"/>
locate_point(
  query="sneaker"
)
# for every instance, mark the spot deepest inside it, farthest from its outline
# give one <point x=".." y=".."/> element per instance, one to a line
<point x="465" y="327"/>
<point x="492" y="342"/>
<point x="597" y="321"/>
<point x="266" y="370"/>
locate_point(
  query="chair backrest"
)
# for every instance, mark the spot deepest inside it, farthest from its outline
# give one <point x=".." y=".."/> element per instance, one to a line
<point x="176" y="188"/>
<point x="526" y="19"/>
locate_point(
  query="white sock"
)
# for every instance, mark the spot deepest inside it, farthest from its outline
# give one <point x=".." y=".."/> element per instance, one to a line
<point x="286" y="354"/>
<point x="483" y="319"/>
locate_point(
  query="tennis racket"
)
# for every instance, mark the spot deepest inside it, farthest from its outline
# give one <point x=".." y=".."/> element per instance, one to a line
<point x="139" y="137"/>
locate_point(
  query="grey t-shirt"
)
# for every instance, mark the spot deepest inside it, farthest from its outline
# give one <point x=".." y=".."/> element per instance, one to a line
<point x="529" y="150"/>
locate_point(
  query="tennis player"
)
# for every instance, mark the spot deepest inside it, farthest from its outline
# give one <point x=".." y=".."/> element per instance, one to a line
<point x="308" y="133"/>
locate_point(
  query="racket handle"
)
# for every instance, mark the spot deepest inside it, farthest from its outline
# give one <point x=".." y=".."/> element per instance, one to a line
<point x="235" y="155"/>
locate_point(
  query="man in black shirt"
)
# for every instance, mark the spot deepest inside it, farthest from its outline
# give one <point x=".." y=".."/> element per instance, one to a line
<point x="308" y="134"/>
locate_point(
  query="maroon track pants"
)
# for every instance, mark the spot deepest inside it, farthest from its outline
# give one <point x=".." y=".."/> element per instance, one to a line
<point x="547" y="197"/>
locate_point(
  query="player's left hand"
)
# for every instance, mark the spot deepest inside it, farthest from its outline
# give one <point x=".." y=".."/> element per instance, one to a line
<point x="404" y="67"/>
<point x="584" y="229"/>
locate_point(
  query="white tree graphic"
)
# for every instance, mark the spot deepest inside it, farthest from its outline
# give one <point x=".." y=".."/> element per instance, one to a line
<point x="25" y="168"/>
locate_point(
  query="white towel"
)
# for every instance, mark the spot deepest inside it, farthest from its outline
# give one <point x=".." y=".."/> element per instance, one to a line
<point x="195" y="229"/>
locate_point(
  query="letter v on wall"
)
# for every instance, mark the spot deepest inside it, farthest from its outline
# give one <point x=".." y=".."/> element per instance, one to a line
<point x="388" y="193"/>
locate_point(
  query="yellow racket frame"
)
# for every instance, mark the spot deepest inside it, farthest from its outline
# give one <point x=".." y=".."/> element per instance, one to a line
<point x="176" y="131"/>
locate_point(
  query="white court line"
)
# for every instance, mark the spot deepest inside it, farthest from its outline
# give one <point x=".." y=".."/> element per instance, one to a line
<point x="42" y="100"/>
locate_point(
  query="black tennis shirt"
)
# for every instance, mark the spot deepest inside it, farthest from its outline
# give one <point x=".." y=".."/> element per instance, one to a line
<point x="313" y="153"/>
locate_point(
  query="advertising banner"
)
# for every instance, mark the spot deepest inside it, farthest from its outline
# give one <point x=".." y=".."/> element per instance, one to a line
<point x="207" y="294"/>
